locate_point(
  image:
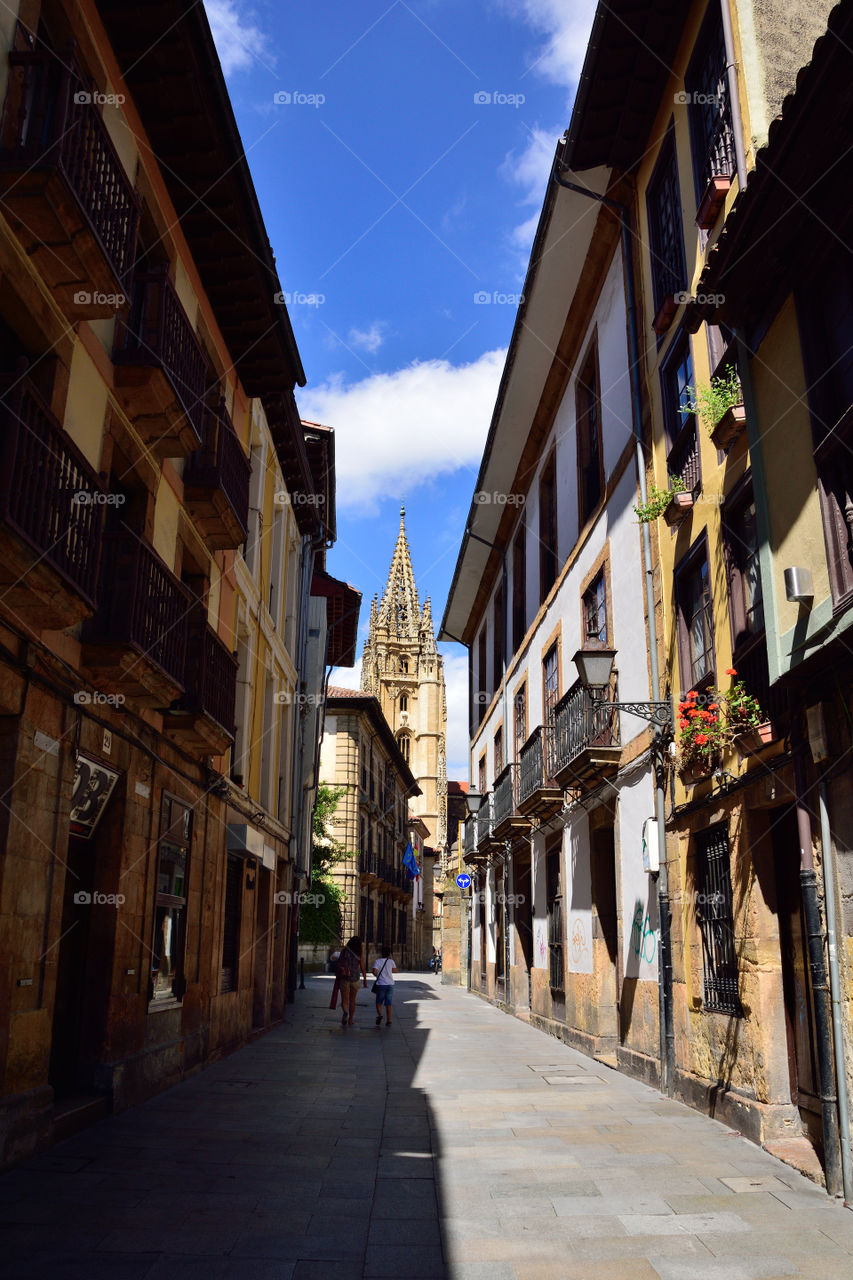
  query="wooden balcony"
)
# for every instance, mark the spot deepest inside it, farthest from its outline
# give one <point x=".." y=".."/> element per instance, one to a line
<point x="216" y="483"/>
<point x="51" y="514"/>
<point x="506" y="819"/>
<point x="161" y="369"/>
<point x="136" y="644"/>
<point x="203" y="718"/>
<point x="586" y="738"/>
<point x="62" y="185"/>
<point x="539" y="795"/>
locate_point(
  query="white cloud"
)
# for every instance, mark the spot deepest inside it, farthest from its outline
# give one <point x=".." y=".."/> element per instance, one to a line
<point x="566" y="25"/>
<point x="456" y="688"/>
<point x="529" y="170"/>
<point x="347" y="677"/>
<point x="239" y="43"/>
<point x="395" y="431"/>
<point x="369" y="340"/>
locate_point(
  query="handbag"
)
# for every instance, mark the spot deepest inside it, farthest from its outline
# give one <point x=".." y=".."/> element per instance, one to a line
<point x="381" y="971"/>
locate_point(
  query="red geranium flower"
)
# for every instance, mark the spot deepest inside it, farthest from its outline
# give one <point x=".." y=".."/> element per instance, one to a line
<point x="730" y="671"/>
<point x="701" y="738"/>
<point x="684" y="724"/>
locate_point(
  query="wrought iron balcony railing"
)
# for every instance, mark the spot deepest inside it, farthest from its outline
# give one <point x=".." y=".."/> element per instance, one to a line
<point x="52" y="125"/>
<point x="216" y="481"/>
<point x="49" y="494"/>
<point x="585" y="726"/>
<point x="210" y="678"/>
<point x="683" y="459"/>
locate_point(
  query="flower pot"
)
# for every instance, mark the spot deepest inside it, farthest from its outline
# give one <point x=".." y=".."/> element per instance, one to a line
<point x="677" y="508"/>
<point x="664" y="316"/>
<point x="729" y="427"/>
<point x="698" y="770"/>
<point x="712" y="202"/>
<point x="752" y="740"/>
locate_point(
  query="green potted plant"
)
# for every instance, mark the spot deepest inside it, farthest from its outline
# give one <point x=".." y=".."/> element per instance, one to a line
<point x="747" y="726"/>
<point x="720" y="408"/>
<point x="672" y="503"/>
<point x="701" y="736"/>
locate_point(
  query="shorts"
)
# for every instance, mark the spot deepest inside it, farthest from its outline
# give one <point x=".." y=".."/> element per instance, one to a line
<point x="384" y="994"/>
<point x="346" y="985"/>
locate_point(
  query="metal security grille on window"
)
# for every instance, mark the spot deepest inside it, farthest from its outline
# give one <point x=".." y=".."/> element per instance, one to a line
<point x="716" y="923"/>
<point x="710" y="112"/>
<point x="231" y="930"/>
<point x="667" y="245"/>
<point x="555" y="943"/>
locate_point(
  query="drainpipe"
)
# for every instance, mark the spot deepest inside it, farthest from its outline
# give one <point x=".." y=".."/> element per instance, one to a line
<point x="817" y="967"/>
<point x="665" y="976"/>
<point x="829" y="871"/>
<point x="734" y="94"/>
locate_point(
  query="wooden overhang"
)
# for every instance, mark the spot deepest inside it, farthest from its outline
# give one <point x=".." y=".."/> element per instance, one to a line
<point x="343" y="603"/>
<point x="631" y="49"/>
<point x="171" y="68"/>
<point x="797" y="196"/>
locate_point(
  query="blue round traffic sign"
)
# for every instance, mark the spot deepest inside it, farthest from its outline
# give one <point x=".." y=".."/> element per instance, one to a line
<point x="463" y="880"/>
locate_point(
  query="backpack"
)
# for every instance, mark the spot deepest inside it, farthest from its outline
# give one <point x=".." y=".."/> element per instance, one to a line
<point x="348" y="967"/>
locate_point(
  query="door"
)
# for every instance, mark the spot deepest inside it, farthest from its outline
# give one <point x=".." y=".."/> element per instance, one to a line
<point x="72" y="965"/>
<point x="262" y="949"/>
<point x="796" y="986"/>
<point x="606" y="960"/>
<point x="524" y="917"/>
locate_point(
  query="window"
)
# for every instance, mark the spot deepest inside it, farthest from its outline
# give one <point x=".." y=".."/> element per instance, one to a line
<point x="404" y="743"/>
<point x="498" y="637"/>
<point x="372" y="775"/>
<point x="499" y="751"/>
<point x="695" y="620"/>
<point x="404" y="666"/>
<point x="590" y="460"/>
<point x="363" y="754"/>
<point x="710" y="112"/>
<point x="663" y="207"/>
<point x="716" y="922"/>
<point x="554" y="903"/>
<point x="404" y="702"/>
<point x="550" y="683"/>
<point x="231" y="923"/>
<point x="520" y="717"/>
<point x="519" y="587"/>
<point x="677" y="385"/>
<point x="825" y="313"/>
<point x="547" y="529"/>
<point x="482" y="774"/>
<point x="594" y="607"/>
<point x="746" y="603"/>
<point x="170" y="904"/>
<point x="481" y="695"/>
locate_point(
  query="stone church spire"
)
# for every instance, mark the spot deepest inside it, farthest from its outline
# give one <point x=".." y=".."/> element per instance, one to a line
<point x="400" y="610"/>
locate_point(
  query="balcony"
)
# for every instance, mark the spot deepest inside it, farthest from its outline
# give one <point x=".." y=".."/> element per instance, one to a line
<point x="136" y="644"/>
<point x="63" y="187"/>
<point x="507" y="821"/>
<point x="586" y="738"/>
<point x="683" y="459"/>
<point x="160" y="368"/>
<point x="470" y="853"/>
<point x="539" y="796"/>
<point x="216" y="483"/>
<point x="487" y="841"/>
<point x="203" y="717"/>
<point x="51" y="516"/>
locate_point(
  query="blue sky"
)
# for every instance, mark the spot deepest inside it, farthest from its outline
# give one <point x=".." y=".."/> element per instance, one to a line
<point x="400" y="149"/>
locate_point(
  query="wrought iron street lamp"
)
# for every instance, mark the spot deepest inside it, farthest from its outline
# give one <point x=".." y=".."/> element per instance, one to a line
<point x="595" y="667"/>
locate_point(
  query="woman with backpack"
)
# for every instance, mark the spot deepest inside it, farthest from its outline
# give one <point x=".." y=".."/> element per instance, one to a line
<point x="384" y="969"/>
<point x="350" y="963"/>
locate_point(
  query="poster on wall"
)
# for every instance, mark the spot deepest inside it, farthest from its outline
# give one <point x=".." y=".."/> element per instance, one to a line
<point x="93" y="785"/>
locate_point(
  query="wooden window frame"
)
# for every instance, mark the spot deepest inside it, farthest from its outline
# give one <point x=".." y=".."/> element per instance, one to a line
<point x="520" y="691"/>
<point x="548" y="532"/>
<point x="696" y="556"/>
<point x="498" y="755"/>
<point x="519" y="586"/>
<point x="498" y="636"/>
<point x="587" y="398"/>
<point x="668" y="277"/>
<point x="481" y="693"/>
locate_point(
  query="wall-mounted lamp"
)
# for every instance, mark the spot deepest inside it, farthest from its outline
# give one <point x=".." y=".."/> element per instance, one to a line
<point x="798" y="585"/>
<point x="251" y="867"/>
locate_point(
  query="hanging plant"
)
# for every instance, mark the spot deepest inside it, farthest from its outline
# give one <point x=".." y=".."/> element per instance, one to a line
<point x="658" y="500"/>
<point x="713" y="402"/>
<point x="701" y="733"/>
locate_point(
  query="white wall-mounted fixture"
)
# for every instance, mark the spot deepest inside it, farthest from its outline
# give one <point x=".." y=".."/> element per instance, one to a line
<point x="798" y="585"/>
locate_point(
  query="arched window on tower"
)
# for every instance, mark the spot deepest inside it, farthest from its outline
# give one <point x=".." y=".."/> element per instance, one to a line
<point x="404" y="743"/>
<point x="404" y="666"/>
<point x="404" y="702"/>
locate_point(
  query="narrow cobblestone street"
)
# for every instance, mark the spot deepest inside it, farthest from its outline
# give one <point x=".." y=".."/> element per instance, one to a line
<point x="460" y="1143"/>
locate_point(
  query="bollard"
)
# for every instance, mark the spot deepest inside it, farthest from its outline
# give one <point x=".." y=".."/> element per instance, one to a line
<point x="302" y="974"/>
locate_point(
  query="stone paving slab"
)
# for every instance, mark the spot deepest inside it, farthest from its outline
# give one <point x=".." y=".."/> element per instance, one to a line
<point x="462" y="1145"/>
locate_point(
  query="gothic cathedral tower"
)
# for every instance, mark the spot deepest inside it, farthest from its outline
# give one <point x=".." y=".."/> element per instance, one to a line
<point x="402" y="667"/>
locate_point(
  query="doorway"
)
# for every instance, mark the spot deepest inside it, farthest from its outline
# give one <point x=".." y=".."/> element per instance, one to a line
<point x="524" y="917"/>
<point x="796" y="986"/>
<point x="262" y="937"/>
<point x="603" y="854"/>
<point x="66" y="1048"/>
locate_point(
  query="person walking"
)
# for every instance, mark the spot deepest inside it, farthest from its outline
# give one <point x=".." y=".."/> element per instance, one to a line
<point x="384" y="968"/>
<point x="350" y="962"/>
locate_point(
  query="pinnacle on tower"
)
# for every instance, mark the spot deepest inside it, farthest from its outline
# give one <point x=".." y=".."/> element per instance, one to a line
<point x="428" y="627"/>
<point x="400" y="609"/>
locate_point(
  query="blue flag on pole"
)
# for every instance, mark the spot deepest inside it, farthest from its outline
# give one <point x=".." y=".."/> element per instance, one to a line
<point x="410" y="862"/>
